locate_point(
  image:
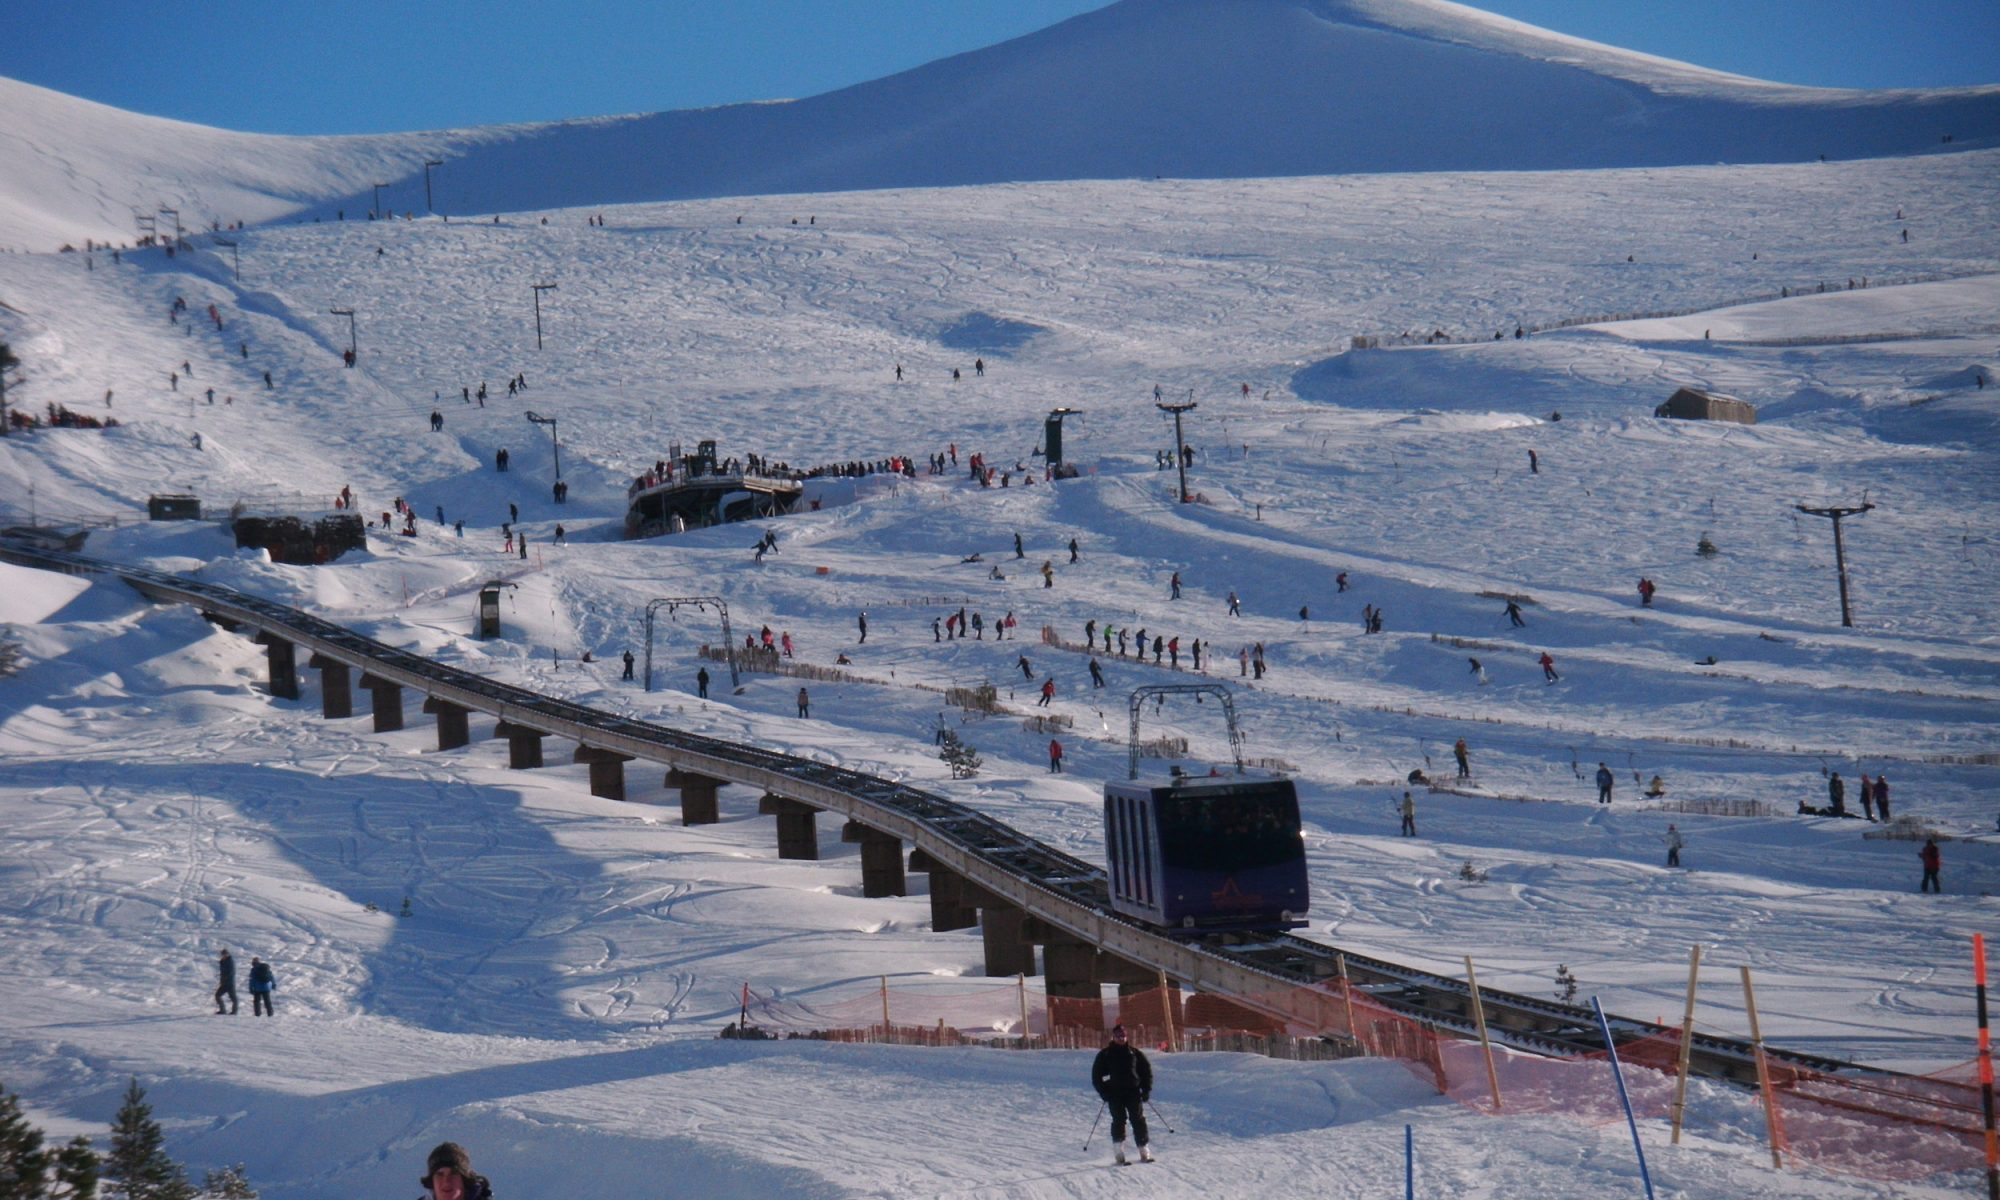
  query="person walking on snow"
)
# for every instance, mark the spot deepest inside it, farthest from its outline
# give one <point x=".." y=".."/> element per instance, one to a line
<point x="1055" y="757"/>
<point x="1549" y="668"/>
<point x="262" y="984"/>
<point x="1174" y="587"/>
<point x="1072" y="549"/>
<point x="1931" y="860"/>
<point x="1867" y="793"/>
<point x="1018" y="551"/>
<point x="862" y="621"/>
<point x="1605" y="782"/>
<point x="1674" y="844"/>
<point x="1646" y="590"/>
<point x="1123" y="1079"/>
<point x="1458" y="752"/>
<point x="805" y="704"/>
<point x="701" y="683"/>
<point x="1048" y="574"/>
<point x="1235" y="607"/>
<point x="628" y="664"/>
<point x="1409" y="815"/>
<point x="226" y="986"/>
<point x="1882" y="797"/>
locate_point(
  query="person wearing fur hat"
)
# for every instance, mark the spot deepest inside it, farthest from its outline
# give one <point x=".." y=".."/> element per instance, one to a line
<point x="448" y="1175"/>
<point x="1124" y="1078"/>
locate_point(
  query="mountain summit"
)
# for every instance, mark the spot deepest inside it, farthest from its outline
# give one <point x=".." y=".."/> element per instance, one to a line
<point x="1182" y="88"/>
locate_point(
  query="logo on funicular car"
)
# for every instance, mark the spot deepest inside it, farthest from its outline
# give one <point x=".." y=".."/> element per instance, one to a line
<point x="1231" y="896"/>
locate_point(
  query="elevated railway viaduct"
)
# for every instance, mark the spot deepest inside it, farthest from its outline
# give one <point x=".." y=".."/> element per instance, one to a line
<point x="1019" y="892"/>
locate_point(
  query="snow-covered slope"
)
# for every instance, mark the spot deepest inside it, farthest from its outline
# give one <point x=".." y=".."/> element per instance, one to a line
<point x="1143" y="88"/>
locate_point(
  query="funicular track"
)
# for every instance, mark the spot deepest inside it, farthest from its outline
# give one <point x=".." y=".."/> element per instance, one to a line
<point x="1275" y="974"/>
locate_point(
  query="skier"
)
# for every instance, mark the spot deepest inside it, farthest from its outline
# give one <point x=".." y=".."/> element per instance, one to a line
<point x="1048" y="692"/>
<point x="1235" y="607"/>
<point x="862" y="621"/>
<point x="1479" y="670"/>
<point x="1124" y="1080"/>
<point x="1931" y="860"/>
<point x="1409" y="815"/>
<point x="1340" y="581"/>
<point x="1055" y="757"/>
<point x="1674" y="844"/>
<point x="1018" y="551"/>
<point x="1514" y="613"/>
<point x="628" y="664"/>
<point x="262" y="984"/>
<point x="1090" y="633"/>
<point x="1096" y="674"/>
<point x="227" y="984"/>
<point x="701" y="683"/>
<point x="1048" y="574"/>
<point x="1027" y="672"/>
<point x="1458" y="752"/>
<point x="1549" y="668"/>
<point x="805" y="704"/>
<point x="1605" y="780"/>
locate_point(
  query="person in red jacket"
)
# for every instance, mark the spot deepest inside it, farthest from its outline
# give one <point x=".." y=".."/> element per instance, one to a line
<point x="1055" y="757"/>
<point x="1048" y="692"/>
<point x="1549" y="667"/>
<point x="1931" y="858"/>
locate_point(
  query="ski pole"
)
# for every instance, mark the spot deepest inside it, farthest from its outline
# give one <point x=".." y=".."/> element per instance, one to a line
<point x="1160" y="1116"/>
<point x="1101" y="1106"/>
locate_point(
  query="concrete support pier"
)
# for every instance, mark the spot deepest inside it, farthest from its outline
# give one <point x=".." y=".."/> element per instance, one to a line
<point x="881" y="864"/>
<point x="336" y="686"/>
<point x="453" y="728"/>
<point x="1008" y="951"/>
<point x="798" y="827"/>
<point x="283" y="658"/>
<point x="524" y="745"/>
<point x="698" y="806"/>
<point x="1069" y="975"/>
<point x="607" y="771"/>
<point x="387" y="704"/>
<point x="949" y="910"/>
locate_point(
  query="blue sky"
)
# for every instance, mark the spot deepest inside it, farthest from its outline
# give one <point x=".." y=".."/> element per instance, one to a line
<point x="368" y="66"/>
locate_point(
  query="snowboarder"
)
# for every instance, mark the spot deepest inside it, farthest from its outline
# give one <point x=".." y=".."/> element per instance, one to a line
<point x="628" y="664"/>
<point x="262" y="984"/>
<point x="1055" y="757"/>
<point x="1549" y="667"/>
<point x="1882" y="797"/>
<point x="1409" y="815"/>
<point x="1674" y="844"/>
<point x="226" y="986"/>
<point x="1605" y="781"/>
<point x="1124" y="1080"/>
<point x="701" y="683"/>
<point x="1096" y="674"/>
<point x="1931" y="860"/>
<point x="1514" y="613"/>
<point x="805" y="704"/>
<point x="1458" y="751"/>
<point x="862" y="621"/>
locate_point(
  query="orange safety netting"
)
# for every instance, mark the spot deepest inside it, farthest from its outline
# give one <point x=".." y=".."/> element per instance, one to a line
<point x="1878" y="1126"/>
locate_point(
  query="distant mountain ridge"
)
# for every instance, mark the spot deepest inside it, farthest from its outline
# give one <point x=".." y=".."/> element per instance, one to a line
<point x="1143" y="88"/>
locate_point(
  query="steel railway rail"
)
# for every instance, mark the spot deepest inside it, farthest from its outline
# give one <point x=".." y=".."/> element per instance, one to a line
<point x="1280" y="975"/>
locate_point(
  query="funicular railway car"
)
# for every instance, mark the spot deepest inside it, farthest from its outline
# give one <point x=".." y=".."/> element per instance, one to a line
<point x="1198" y="855"/>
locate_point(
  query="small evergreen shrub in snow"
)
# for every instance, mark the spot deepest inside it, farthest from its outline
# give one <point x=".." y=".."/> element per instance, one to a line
<point x="1704" y="547"/>
<point x="137" y="1167"/>
<point x="963" y="759"/>
<point x="1565" y="985"/>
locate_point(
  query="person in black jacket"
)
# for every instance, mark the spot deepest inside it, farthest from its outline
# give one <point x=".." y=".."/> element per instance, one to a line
<point x="448" y="1175"/>
<point x="226" y="986"/>
<point x="1124" y="1079"/>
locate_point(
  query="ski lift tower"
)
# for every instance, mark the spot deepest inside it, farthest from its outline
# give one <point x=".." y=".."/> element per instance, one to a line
<point x="1052" y="430"/>
<point x="1180" y="442"/>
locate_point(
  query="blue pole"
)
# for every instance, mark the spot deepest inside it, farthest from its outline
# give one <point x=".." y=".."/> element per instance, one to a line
<point x="1618" y="1073"/>
<point x="1409" y="1164"/>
